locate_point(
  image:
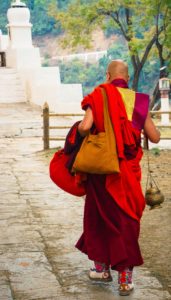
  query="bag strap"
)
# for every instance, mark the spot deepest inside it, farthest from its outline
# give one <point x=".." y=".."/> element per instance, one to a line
<point x="111" y="139"/>
<point x="107" y="121"/>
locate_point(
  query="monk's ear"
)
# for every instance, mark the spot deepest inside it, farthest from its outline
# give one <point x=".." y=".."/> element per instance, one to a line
<point x="107" y="76"/>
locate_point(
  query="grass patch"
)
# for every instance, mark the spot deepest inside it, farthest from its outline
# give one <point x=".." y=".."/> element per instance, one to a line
<point x="155" y="151"/>
<point x="48" y="154"/>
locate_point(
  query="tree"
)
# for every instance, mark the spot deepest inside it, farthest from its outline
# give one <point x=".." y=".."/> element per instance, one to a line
<point x="3" y="17"/>
<point x="90" y="75"/>
<point x="140" y="22"/>
<point x="163" y="41"/>
<point x="163" y="45"/>
<point x="42" y="22"/>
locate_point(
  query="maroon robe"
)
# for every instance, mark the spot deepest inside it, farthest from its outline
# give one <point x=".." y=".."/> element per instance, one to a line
<point x="110" y="234"/>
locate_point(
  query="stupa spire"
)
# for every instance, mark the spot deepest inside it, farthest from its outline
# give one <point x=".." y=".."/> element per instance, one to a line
<point x="18" y="3"/>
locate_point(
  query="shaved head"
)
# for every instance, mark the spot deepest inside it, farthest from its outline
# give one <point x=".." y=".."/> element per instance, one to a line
<point x="117" y="69"/>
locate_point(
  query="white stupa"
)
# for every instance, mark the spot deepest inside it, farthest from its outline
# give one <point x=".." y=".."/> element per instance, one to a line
<point x="20" y="52"/>
<point x="41" y="84"/>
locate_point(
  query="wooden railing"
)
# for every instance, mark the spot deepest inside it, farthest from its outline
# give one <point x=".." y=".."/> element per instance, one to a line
<point x="157" y="113"/>
<point x="46" y="125"/>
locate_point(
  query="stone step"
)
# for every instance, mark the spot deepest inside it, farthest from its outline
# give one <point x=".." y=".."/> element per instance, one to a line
<point x="11" y="89"/>
<point x="9" y="80"/>
<point x="12" y="99"/>
<point x="14" y="95"/>
<point x="11" y="86"/>
<point x="12" y="92"/>
<point x="8" y="75"/>
<point x="7" y="71"/>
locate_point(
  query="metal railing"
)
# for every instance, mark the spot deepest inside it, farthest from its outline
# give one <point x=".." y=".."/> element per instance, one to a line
<point x="46" y="125"/>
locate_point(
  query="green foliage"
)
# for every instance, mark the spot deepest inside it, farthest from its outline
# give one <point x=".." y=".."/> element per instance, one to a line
<point x="73" y="72"/>
<point x="91" y="75"/>
<point x="109" y="30"/>
<point x="45" y="63"/>
<point x="142" y="24"/>
<point x="43" y="23"/>
<point x="3" y="18"/>
<point x="137" y="21"/>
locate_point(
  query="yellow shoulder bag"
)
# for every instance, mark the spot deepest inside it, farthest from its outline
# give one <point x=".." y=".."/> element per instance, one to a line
<point x="98" y="153"/>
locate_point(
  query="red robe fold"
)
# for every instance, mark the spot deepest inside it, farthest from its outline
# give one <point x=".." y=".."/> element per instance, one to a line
<point x="109" y="235"/>
<point x="125" y="187"/>
<point x="114" y="203"/>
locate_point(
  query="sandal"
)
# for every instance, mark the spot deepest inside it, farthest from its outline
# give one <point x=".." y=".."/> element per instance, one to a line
<point x="125" y="289"/>
<point x="103" y="276"/>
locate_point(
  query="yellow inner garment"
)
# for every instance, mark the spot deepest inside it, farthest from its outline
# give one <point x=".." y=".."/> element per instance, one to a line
<point x="128" y="97"/>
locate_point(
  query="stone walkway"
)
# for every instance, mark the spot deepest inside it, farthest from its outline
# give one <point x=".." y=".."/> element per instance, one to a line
<point x="40" y="224"/>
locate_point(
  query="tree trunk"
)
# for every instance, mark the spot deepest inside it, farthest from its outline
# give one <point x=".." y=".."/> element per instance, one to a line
<point x="136" y="77"/>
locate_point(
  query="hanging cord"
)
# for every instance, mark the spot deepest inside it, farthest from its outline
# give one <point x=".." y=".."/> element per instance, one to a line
<point x="153" y="193"/>
<point x="150" y="179"/>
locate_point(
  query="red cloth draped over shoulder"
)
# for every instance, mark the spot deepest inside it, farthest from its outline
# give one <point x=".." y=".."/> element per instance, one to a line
<point x="124" y="187"/>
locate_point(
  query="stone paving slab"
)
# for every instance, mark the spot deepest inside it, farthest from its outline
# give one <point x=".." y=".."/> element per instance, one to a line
<point x="40" y="225"/>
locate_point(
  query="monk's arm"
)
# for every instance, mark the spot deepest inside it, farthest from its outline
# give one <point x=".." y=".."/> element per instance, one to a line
<point x="151" y="131"/>
<point x="86" y="123"/>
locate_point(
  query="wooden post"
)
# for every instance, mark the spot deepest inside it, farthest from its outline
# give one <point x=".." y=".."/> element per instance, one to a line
<point x="3" y="59"/>
<point x="145" y="144"/>
<point x="46" y="126"/>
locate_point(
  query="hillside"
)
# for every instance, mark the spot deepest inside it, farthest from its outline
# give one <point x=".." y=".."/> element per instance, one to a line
<point x="51" y="45"/>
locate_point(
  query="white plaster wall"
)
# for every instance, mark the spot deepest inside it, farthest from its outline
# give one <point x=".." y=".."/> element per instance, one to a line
<point x="69" y="97"/>
<point x="61" y="98"/>
<point x="44" y="85"/>
<point x="41" y="83"/>
<point x="47" y="75"/>
<point x="28" y="58"/>
<point x="4" y="41"/>
<point x="165" y="107"/>
<point x="20" y="37"/>
<point x="33" y="78"/>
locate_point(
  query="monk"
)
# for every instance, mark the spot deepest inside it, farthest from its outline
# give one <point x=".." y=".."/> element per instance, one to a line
<point x="114" y="203"/>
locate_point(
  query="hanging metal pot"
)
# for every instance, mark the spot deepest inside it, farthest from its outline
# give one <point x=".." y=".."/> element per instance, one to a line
<point x="153" y="195"/>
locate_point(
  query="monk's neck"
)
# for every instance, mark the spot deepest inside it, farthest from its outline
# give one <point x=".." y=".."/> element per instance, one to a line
<point x="119" y="82"/>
